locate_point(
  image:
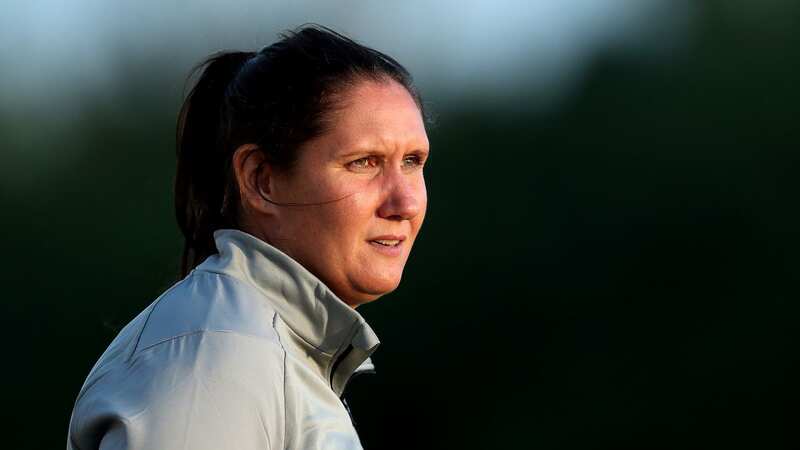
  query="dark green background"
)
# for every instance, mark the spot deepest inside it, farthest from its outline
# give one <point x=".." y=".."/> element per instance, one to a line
<point x="618" y="273"/>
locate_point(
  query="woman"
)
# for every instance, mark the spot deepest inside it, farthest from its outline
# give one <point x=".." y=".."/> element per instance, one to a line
<point x="299" y="191"/>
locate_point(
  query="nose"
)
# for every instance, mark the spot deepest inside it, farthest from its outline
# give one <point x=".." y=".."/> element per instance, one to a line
<point x="404" y="198"/>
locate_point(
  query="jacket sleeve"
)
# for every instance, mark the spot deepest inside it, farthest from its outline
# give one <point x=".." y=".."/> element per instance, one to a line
<point x="209" y="390"/>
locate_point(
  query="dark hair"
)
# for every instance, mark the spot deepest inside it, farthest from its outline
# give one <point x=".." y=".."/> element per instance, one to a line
<point x="276" y="98"/>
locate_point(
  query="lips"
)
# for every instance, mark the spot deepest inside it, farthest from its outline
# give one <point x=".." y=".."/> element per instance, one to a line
<point x="388" y="240"/>
<point x="388" y="245"/>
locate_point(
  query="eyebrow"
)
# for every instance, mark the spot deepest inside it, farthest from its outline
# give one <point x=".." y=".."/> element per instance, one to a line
<point x="370" y="150"/>
<point x="355" y="153"/>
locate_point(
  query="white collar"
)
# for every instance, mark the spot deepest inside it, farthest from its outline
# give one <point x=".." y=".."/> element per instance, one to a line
<point x="341" y="337"/>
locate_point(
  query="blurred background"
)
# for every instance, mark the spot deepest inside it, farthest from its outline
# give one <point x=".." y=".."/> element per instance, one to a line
<point x="610" y="257"/>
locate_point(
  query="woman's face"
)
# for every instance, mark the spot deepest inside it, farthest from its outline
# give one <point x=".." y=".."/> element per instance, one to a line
<point x="365" y="176"/>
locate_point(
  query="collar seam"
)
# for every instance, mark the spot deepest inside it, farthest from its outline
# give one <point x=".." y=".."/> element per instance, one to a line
<point x="298" y="336"/>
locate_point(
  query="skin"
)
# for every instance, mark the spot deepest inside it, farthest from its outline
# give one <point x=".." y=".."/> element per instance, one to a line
<point x="364" y="179"/>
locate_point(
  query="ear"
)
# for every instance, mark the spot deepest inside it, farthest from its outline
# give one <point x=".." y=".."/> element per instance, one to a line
<point x="253" y="176"/>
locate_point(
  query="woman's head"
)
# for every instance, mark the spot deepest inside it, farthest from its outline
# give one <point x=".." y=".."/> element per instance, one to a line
<point x="315" y="144"/>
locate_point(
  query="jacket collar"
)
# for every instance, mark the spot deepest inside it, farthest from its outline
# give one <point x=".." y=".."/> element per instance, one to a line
<point x="327" y="330"/>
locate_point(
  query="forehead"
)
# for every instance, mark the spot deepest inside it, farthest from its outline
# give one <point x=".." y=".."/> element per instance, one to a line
<point x="375" y="114"/>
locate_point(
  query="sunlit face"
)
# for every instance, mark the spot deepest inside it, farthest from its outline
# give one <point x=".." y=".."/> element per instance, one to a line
<point x="366" y="172"/>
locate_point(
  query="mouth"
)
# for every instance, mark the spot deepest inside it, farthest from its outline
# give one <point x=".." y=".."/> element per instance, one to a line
<point x="387" y="242"/>
<point x="389" y="245"/>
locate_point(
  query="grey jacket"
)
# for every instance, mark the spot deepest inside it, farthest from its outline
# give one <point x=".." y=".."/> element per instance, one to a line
<point x="249" y="351"/>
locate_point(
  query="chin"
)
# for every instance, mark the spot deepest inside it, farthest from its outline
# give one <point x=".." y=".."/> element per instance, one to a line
<point x="365" y="291"/>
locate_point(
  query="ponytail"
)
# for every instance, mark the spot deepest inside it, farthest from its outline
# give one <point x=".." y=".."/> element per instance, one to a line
<point x="203" y="177"/>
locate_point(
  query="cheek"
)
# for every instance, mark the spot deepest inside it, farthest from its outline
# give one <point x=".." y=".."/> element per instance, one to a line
<point x="347" y="222"/>
<point x="340" y="204"/>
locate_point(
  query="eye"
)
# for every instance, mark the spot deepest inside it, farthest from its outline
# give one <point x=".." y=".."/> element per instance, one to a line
<point x="365" y="163"/>
<point x="412" y="161"/>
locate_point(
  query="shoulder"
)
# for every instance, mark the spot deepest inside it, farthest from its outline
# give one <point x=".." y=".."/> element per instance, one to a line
<point x="215" y="330"/>
<point x="204" y="390"/>
<point x="204" y="355"/>
<point x="207" y="302"/>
